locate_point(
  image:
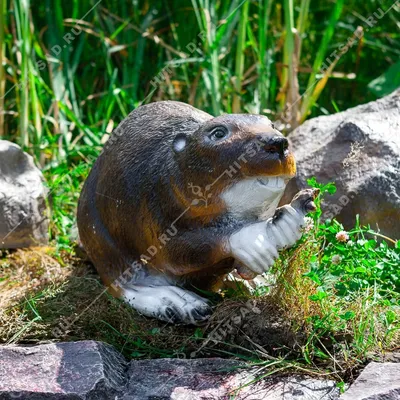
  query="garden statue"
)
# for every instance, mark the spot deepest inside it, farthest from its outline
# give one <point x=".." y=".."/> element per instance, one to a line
<point x="178" y="199"/>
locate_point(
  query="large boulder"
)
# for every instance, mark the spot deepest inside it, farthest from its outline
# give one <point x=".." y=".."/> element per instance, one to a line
<point x="23" y="213"/>
<point x="359" y="150"/>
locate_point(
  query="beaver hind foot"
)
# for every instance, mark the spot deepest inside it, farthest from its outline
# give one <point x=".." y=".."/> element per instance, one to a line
<point x="168" y="303"/>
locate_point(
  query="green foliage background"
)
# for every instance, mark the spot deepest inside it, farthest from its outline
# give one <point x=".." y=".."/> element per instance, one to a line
<point x="73" y="70"/>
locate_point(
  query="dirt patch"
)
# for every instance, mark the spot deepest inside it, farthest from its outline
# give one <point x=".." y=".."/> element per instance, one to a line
<point x="59" y="297"/>
<point x="253" y="326"/>
<point x="25" y="271"/>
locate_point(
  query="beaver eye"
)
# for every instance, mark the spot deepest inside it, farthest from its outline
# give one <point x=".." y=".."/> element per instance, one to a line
<point x="218" y="133"/>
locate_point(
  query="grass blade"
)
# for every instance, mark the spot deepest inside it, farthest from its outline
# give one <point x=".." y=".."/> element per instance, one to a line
<point x="302" y="20"/>
<point x="264" y="70"/>
<point x="3" y="25"/>
<point x="24" y="49"/>
<point x="308" y="101"/>
<point x="239" y="64"/>
<point x="289" y="73"/>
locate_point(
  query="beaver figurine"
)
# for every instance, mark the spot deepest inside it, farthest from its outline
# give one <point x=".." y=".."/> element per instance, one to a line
<point x="178" y="199"/>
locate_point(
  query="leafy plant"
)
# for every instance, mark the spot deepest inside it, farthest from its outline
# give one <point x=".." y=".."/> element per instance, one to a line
<point x="343" y="287"/>
<point x="353" y="260"/>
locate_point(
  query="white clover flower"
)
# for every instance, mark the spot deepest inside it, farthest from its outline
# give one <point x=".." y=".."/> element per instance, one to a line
<point x="336" y="259"/>
<point x="308" y="224"/>
<point x="361" y="242"/>
<point x="350" y="243"/>
<point x="342" y="236"/>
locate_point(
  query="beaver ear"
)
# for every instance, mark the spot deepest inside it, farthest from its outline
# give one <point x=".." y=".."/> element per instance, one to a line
<point x="179" y="142"/>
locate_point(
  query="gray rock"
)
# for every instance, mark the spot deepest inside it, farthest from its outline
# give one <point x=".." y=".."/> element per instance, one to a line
<point x="378" y="381"/>
<point x="74" y="370"/>
<point x="23" y="213"/>
<point x="358" y="149"/>
<point x="392" y="356"/>
<point x="218" y="379"/>
<point x="95" y="371"/>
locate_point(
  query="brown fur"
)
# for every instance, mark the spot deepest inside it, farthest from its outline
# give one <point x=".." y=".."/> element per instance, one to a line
<point x="141" y="184"/>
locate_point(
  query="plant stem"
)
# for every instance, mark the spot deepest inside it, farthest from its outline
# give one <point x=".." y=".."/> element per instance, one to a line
<point x="2" y="56"/>
<point x="291" y="59"/>
<point x="264" y="11"/>
<point x="308" y="100"/>
<point x="302" y="20"/>
<point x="24" y="49"/>
<point x="239" y="64"/>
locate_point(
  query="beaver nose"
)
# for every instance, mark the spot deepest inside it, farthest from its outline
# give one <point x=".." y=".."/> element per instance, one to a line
<point x="276" y="144"/>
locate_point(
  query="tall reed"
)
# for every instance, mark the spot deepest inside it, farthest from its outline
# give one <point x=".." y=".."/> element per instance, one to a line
<point x="310" y="96"/>
<point x="220" y="56"/>
<point x="264" y="52"/>
<point x="240" y="55"/>
<point x="23" y="47"/>
<point x="3" y="24"/>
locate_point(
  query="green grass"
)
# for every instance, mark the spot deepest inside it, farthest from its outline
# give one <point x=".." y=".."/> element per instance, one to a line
<point x="344" y="289"/>
<point x="240" y="56"/>
<point x="335" y="303"/>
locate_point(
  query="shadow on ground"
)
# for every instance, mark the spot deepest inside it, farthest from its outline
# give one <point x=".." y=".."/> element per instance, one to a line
<point x="49" y="297"/>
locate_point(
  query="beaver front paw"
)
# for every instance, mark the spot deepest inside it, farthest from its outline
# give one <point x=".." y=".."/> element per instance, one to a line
<point x="256" y="246"/>
<point x="252" y="247"/>
<point x="168" y="303"/>
<point x="303" y="202"/>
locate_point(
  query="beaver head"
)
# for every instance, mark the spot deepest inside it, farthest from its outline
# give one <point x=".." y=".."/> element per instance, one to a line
<point x="237" y="161"/>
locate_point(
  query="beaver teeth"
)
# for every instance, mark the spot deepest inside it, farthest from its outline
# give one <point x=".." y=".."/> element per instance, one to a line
<point x="263" y="181"/>
<point x="274" y="183"/>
